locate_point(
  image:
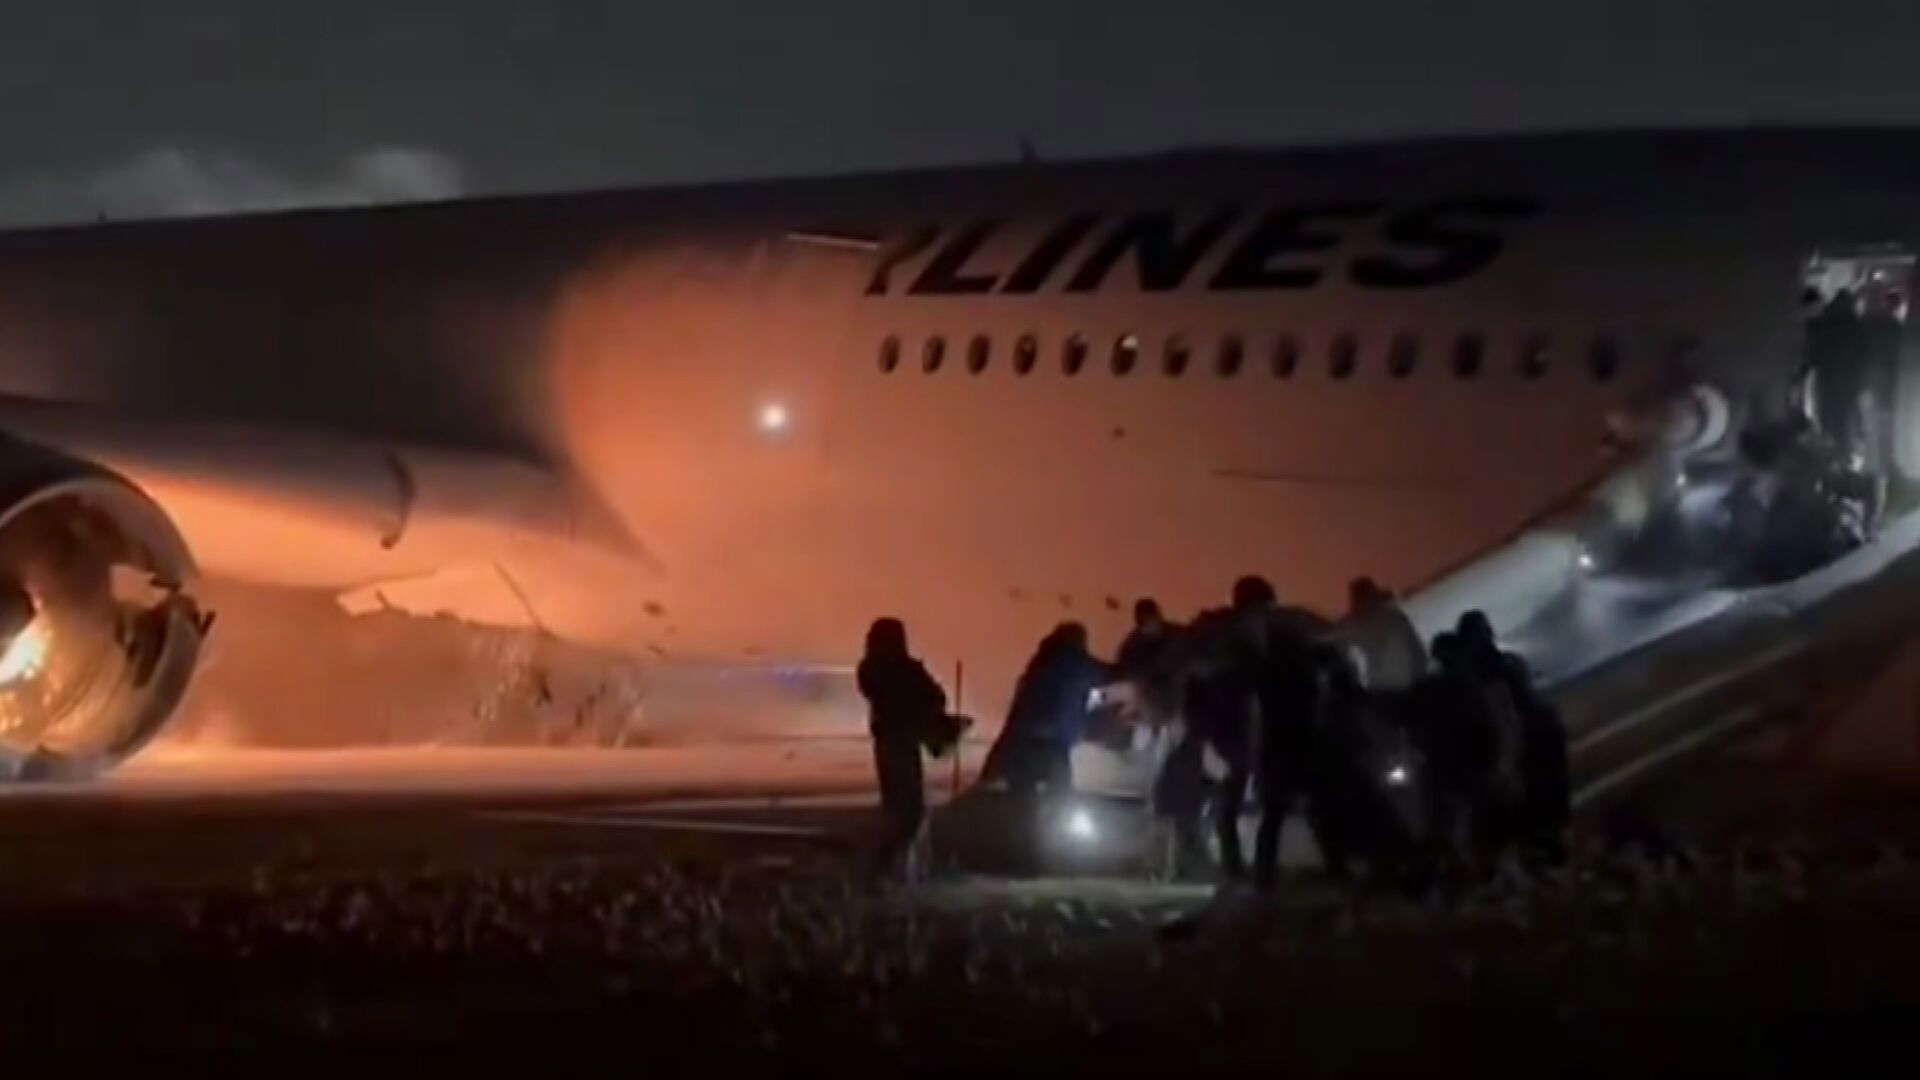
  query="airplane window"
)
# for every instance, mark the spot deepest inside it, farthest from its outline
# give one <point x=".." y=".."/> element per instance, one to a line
<point x="889" y="355"/>
<point x="1343" y="356"/>
<point x="1533" y="356"/>
<point x="1126" y="353"/>
<point x="1605" y="360"/>
<point x="1233" y="353"/>
<point x="1402" y="355"/>
<point x="979" y="351"/>
<point x="1286" y="356"/>
<point x="1026" y="353"/>
<point x="1468" y="351"/>
<point x="934" y="354"/>
<point x="1179" y="355"/>
<point x="1074" y="356"/>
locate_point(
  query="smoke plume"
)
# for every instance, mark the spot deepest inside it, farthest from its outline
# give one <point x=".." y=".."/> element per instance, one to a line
<point x="177" y="182"/>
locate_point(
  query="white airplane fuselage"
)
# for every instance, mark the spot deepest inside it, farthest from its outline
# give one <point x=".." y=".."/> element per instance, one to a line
<point x="813" y="403"/>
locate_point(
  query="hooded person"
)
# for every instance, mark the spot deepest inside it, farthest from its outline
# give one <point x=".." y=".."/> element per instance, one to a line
<point x="1049" y="714"/>
<point x="903" y="700"/>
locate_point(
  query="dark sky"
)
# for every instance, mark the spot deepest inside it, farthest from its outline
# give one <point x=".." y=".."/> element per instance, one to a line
<point x="137" y="106"/>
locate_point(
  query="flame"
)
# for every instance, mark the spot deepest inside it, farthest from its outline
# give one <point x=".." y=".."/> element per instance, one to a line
<point x="26" y="654"/>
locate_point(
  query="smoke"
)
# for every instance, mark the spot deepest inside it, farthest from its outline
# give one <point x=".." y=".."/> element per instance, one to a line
<point x="177" y="182"/>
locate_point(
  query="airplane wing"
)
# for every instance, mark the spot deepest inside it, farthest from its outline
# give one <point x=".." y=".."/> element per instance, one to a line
<point x="383" y="526"/>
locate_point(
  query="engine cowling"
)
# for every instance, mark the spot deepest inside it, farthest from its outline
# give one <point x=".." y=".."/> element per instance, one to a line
<point x="108" y="639"/>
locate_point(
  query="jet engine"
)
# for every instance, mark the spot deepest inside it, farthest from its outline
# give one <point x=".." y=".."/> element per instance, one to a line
<point x="98" y="636"/>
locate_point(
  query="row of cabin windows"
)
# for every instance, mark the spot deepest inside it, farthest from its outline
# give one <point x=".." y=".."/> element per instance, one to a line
<point x="1467" y="355"/>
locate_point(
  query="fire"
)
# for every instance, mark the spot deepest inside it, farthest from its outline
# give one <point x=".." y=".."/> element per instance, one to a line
<point x="25" y="654"/>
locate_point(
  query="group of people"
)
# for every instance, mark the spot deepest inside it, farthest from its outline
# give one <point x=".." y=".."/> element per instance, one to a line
<point x="1397" y="764"/>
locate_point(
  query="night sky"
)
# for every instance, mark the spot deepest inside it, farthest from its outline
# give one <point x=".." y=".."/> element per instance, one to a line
<point x="130" y="107"/>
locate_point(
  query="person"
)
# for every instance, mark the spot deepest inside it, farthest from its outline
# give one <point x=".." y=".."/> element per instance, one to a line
<point x="1547" y="783"/>
<point x="1530" y="802"/>
<point x="1048" y="715"/>
<point x="1378" y="641"/>
<point x="1882" y="340"/>
<point x="902" y="701"/>
<point x="1209" y="678"/>
<point x="1148" y="701"/>
<point x="1146" y="697"/>
<point x="1143" y="661"/>
<point x="1323" y="763"/>
<point x="1447" y="723"/>
<point x="1837" y="353"/>
<point x="1362" y="781"/>
<point x="1259" y="722"/>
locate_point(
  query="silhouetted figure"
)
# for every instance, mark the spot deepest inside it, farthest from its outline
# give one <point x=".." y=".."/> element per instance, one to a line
<point x="1379" y="642"/>
<point x="1316" y="759"/>
<point x="1449" y="725"/>
<point x="1202" y="695"/>
<point x="1144" y="651"/>
<point x="1365" y="595"/>
<point x="1547" y="795"/>
<point x="1496" y="818"/>
<point x="1529" y="803"/>
<point x="903" y="700"/>
<point x="1882" y="340"/>
<point x="1255" y="677"/>
<point x="1148" y="661"/>
<point x="1363" y="780"/>
<point x="1211" y="661"/>
<point x="1837" y="353"/>
<point x="1048" y="716"/>
<point x="1307" y="695"/>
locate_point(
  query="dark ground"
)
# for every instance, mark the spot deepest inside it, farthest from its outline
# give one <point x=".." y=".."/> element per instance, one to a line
<point x="1787" y="940"/>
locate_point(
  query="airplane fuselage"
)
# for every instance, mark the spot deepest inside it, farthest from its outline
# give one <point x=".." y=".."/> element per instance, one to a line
<point x="989" y="400"/>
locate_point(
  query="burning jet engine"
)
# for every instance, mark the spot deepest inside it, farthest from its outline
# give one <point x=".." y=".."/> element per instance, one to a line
<point x="98" y="638"/>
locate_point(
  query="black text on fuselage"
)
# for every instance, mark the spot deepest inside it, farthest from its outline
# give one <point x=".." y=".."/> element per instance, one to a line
<point x="1283" y="248"/>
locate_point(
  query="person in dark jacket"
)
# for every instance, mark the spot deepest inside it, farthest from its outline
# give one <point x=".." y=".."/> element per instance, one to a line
<point x="1449" y="726"/>
<point x="1146" y="660"/>
<point x="1531" y="799"/>
<point x="1144" y="645"/>
<point x="1206" y="665"/>
<point x="902" y="701"/>
<point x="1837" y="349"/>
<point x="1291" y="758"/>
<point x="1228" y="708"/>
<point x="1049" y="714"/>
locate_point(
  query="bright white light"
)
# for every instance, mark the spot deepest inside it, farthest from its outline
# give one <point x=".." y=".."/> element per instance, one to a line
<point x="774" y="418"/>
<point x="1080" y="825"/>
<point x="25" y="654"/>
<point x="1398" y="776"/>
<point x="1586" y="561"/>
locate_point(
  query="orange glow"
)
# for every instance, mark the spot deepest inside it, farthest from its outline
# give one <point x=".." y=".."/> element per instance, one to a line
<point x="26" y="654"/>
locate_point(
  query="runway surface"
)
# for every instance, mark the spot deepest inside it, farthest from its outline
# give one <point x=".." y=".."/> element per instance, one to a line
<point x="185" y="819"/>
<point x="664" y="907"/>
